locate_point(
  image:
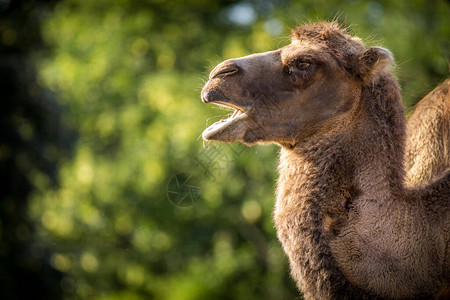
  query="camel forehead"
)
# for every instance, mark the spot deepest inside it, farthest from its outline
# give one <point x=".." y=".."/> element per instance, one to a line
<point x="300" y="48"/>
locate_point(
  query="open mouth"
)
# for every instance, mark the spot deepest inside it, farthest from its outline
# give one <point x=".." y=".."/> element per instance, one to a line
<point x="221" y="125"/>
<point x="237" y="110"/>
<point x="236" y="113"/>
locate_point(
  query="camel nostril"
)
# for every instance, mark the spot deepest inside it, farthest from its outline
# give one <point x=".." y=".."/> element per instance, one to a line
<point x="212" y="95"/>
<point x="227" y="71"/>
<point x="226" y="68"/>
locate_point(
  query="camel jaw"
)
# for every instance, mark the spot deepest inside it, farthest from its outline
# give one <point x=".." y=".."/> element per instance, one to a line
<point x="228" y="130"/>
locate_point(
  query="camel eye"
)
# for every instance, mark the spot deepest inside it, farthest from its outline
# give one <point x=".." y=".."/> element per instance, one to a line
<point x="303" y="66"/>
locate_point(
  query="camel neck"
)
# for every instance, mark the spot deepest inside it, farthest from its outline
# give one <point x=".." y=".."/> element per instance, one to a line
<point x="321" y="179"/>
<point x="305" y="202"/>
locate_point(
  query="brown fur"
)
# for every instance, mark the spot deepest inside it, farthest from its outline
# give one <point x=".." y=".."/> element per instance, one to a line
<point x="428" y="136"/>
<point x="350" y="226"/>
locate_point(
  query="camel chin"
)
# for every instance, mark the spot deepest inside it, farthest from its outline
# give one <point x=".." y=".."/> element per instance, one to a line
<point x="229" y="130"/>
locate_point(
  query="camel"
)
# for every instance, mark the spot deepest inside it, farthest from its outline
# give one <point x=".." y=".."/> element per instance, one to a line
<point x="428" y="137"/>
<point x="350" y="224"/>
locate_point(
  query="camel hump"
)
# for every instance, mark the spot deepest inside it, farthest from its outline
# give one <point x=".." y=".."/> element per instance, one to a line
<point x="428" y="137"/>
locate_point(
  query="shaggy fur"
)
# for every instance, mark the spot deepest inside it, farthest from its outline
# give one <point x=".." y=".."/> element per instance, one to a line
<point x="428" y="136"/>
<point x="351" y="227"/>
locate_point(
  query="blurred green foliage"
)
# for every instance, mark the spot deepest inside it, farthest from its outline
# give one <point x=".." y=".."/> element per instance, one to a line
<point x="144" y="210"/>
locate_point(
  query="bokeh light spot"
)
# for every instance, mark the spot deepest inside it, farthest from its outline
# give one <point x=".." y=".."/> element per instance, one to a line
<point x="242" y="14"/>
<point x="89" y="262"/>
<point x="60" y="262"/>
<point x="251" y="210"/>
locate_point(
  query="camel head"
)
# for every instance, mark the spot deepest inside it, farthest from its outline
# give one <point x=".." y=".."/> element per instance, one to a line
<point x="285" y="96"/>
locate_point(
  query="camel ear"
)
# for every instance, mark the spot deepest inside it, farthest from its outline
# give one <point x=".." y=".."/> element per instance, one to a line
<point x="372" y="62"/>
